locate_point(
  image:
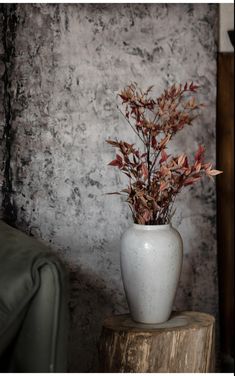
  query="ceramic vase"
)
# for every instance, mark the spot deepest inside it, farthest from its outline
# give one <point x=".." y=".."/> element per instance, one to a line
<point x="151" y="260"/>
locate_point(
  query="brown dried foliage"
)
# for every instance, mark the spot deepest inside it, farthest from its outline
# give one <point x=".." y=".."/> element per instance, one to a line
<point x="155" y="178"/>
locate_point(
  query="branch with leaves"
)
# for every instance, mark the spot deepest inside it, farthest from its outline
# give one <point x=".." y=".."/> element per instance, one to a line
<point x="156" y="178"/>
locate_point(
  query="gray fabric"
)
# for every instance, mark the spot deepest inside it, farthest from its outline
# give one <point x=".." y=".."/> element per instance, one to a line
<point x="33" y="309"/>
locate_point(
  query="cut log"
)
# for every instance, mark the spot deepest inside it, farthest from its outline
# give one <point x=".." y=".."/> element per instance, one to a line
<point x="185" y="343"/>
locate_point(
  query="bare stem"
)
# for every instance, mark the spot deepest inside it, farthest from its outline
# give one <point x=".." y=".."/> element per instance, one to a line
<point x="148" y="160"/>
<point x="131" y="125"/>
<point x="155" y="160"/>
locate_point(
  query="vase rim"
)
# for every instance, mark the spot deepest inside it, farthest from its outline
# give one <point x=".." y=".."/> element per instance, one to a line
<point x="152" y="227"/>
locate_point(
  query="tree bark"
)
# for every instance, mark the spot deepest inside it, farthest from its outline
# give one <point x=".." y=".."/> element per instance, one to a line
<point x="185" y="343"/>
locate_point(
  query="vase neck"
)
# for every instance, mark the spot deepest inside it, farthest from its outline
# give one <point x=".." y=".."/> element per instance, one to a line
<point x="152" y="227"/>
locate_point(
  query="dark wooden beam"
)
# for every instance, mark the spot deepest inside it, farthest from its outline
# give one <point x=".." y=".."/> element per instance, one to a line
<point x="225" y="200"/>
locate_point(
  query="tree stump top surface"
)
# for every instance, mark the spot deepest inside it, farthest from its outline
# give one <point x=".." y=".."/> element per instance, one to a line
<point x="177" y="322"/>
<point x="185" y="343"/>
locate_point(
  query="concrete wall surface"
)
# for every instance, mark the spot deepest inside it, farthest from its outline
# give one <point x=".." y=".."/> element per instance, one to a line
<point x="67" y="63"/>
<point x="2" y="112"/>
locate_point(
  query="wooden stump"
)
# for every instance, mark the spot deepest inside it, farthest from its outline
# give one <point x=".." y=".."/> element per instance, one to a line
<point x="185" y="343"/>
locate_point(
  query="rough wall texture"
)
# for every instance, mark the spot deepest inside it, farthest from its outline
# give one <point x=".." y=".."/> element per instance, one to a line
<point x="8" y="24"/>
<point x="69" y="62"/>
<point x="2" y="113"/>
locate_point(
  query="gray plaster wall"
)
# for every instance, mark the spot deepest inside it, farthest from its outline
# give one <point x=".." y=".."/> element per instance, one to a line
<point x="68" y="64"/>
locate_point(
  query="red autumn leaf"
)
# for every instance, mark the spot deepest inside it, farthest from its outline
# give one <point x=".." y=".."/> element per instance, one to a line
<point x="180" y="125"/>
<point x="143" y="201"/>
<point x="124" y="98"/>
<point x="140" y="219"/>
<point x="146" y="216"/>
<point x="144" y="170"/>
<point x="197" y="166"/>
<point x="135" y="159"/>
<point x="191" y="103"/>
<point x="213" y="172"/>
<point x="163" y="185"/>
<point x="119" y="158"/>
<point x="193" y="87"/>
<point x="164" y="141"/>
<point x="207" y="166"/>
<point x="113" y="143"/>
<point x="134" y="173"/>
<point x="116" y="162"/>
<point x="181" y="160"/>
<point x="190" y="181"/>
<point x="186" y="162"/>
<point x="154" y="142"/>
<point x="155" y="206"/>
<point x="164" y="171"/>
<point x="164" y="156"/>
<point x="199" y="156"/>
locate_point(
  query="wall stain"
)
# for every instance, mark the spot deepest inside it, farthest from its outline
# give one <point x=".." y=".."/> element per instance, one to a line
<point x="8" y="41"/>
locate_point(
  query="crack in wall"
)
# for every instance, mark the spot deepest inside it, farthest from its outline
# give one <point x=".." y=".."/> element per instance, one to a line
<point x="8" y="41"/>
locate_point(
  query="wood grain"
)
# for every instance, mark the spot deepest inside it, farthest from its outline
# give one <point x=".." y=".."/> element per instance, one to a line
<point x="185" y="343"/>
<point x="225" y="198"/>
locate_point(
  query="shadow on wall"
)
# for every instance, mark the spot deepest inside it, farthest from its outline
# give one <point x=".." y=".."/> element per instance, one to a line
<point x="90" y="302"/>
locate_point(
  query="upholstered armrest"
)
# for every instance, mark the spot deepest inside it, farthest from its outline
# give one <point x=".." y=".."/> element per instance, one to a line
<point x="33" y="305"/>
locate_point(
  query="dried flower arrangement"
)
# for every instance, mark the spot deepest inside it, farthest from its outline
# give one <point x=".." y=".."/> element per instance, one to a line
<point x="155" y="178"/>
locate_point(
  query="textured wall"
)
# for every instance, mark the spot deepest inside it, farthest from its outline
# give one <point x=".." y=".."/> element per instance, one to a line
<point x="69" y="62"/>
<point x="2" y="114"/>
<point x="8" y="22"/>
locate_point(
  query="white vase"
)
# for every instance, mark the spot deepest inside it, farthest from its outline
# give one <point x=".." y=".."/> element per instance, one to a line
<point x="151" y="260"/>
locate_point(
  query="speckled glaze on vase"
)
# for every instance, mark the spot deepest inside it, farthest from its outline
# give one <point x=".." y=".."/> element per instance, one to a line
<point x="151" y="260"/>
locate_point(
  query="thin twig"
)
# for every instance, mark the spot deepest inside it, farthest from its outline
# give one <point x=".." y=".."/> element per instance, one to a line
<point x="130" y="124"/>
<point x="155" y="160"/>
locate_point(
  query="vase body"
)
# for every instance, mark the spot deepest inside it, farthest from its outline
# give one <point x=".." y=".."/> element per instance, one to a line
<point x="151" y="260"/>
